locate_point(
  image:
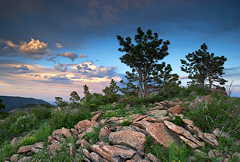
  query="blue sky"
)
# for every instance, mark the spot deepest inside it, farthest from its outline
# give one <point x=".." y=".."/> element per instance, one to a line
<point x="49" y="48"/>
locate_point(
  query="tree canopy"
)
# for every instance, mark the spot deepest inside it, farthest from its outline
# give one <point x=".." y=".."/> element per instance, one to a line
<point x="142" y="55"/>
<point x="203" y="67"/>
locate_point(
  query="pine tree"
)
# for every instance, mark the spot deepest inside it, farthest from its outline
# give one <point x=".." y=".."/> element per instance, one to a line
<point x="112" y="89"/>
<point x="74" y="97"/>
<point x="86" y="91"/>
<point x="203" y="67"/>
<point x="143" y="58"/>
<point x="59" y="102"/>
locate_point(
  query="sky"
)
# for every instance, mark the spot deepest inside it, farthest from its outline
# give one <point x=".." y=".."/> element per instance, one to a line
<point x="50" y="48"/>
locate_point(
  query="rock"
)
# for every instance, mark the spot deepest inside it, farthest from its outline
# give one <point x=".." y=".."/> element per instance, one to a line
<point x="219" y="133"/>
<point x="200" y="153"/>
<point x="86" y="153"/>
<point x="14" y="158"/>
<point x="214" y="153"/>
<point x="115" y="120"/>
<point x="96" y="158"/>
<point x="52" y="139"/>
<point x="152" y="158"/>
<point x="37" y="147"/>
<point x="64" y="131"/>
<point x="104" y="132"/>
<point x="25" y="149"/>
<point x="84" y="124"/>
<point x="53" y="148"/>
<point x="158" y="114"/>
<point x="160" y="133"/>
<point x="72" y="150"/>
<point x="25" y="159"/>
<point x="236" y="155"/>
<point x="183" y="132"/>
<point x="96" y="116"/>
<point x="15" y="141"/>
<point x="201" y="99"/>
<point x="83" y="143"/>
<point x="74" y="131"/>
<point x="189" y="142"/>
<point x="137" y="117"/>
<point x="209" y="138"/>
<point x="130" y="138"/>
<point x="176" y="109"/>
<point x="137" y="158"/>
<point x="111" y="153"/>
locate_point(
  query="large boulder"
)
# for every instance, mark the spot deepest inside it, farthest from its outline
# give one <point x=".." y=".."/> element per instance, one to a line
<point x="158" y="131"/>
<point x="185" y="135"/>
<point x="64" y="132"/>
<point x="130" y="138"/>
<point x="84" y="125"/>
<point x="31" y="148"/>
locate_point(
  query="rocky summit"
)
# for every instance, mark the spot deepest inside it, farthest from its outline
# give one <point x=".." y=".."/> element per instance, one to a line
<point x="119" y="139"/>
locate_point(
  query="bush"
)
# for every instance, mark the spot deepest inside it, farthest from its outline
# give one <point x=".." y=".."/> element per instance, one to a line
<point x="41" y="113"/>
<point x="68" y="119"/>
<point x="23" y="123"/>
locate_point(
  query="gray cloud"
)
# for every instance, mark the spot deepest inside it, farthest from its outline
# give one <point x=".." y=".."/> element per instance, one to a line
<point x="70" y="55"/>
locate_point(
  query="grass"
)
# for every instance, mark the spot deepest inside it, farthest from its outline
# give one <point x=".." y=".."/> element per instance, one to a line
<point x="222" y="113"/>
<point x="175" y="153"/>
<point x="93" y="137"/>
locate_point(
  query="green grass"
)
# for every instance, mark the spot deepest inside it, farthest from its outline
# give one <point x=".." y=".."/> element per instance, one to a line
<point x="92" y="137"/>
<point x="222" y="113"/>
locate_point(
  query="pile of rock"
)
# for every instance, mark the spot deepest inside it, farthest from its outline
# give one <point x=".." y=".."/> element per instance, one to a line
<point x="126" y="143"/>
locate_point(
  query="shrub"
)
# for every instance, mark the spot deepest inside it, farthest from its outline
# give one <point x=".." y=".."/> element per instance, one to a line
<point x="6" y="150"/>
<point x="41" y="113"/>
<point x="23" y="123"/>
<point x="68" y="119"/>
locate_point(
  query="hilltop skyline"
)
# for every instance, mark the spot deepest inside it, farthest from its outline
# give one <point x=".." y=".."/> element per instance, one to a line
<point x="50" y="48"/>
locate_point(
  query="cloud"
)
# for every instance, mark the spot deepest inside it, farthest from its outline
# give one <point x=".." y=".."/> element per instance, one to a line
<point x="82" y="56"/>
<point x="59" y="45"/>
<point x="61" y="67"/>
<point x="62" y="79"/>
<point x="32" y="49"/>
<point x="22" y="69"/>
<point x="33" y="46"/>
<point x="10" y="44"/>
<point x="70" y="55"/>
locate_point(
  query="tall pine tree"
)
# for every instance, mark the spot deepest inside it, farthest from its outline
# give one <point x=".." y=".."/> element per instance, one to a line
<point x="143" y="55"/>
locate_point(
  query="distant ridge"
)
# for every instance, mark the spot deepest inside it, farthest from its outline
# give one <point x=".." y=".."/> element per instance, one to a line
<point x="14" y="102"/>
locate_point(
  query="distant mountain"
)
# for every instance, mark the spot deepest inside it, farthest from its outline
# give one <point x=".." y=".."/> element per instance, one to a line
<point x="20" y="102"/>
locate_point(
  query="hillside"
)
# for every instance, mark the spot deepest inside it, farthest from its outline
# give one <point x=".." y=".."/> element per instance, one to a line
<point x="193" y="126"/>
<point x="12" y="102"/>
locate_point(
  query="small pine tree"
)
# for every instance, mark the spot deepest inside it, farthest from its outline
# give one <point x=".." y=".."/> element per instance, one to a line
<point x="74" y="97"/>
<point x="203" y="67"/>
<point x="86" y="92"/>
<point x="59" y="102"/>
<point x="112" y="89"/>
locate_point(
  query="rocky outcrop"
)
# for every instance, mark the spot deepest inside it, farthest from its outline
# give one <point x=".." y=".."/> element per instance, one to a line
<point x="119" y="142"/>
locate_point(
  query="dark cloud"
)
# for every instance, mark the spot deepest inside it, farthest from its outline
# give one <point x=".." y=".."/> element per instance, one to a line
<point x="84" y="19"/>
<point x="59" y="79"/>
